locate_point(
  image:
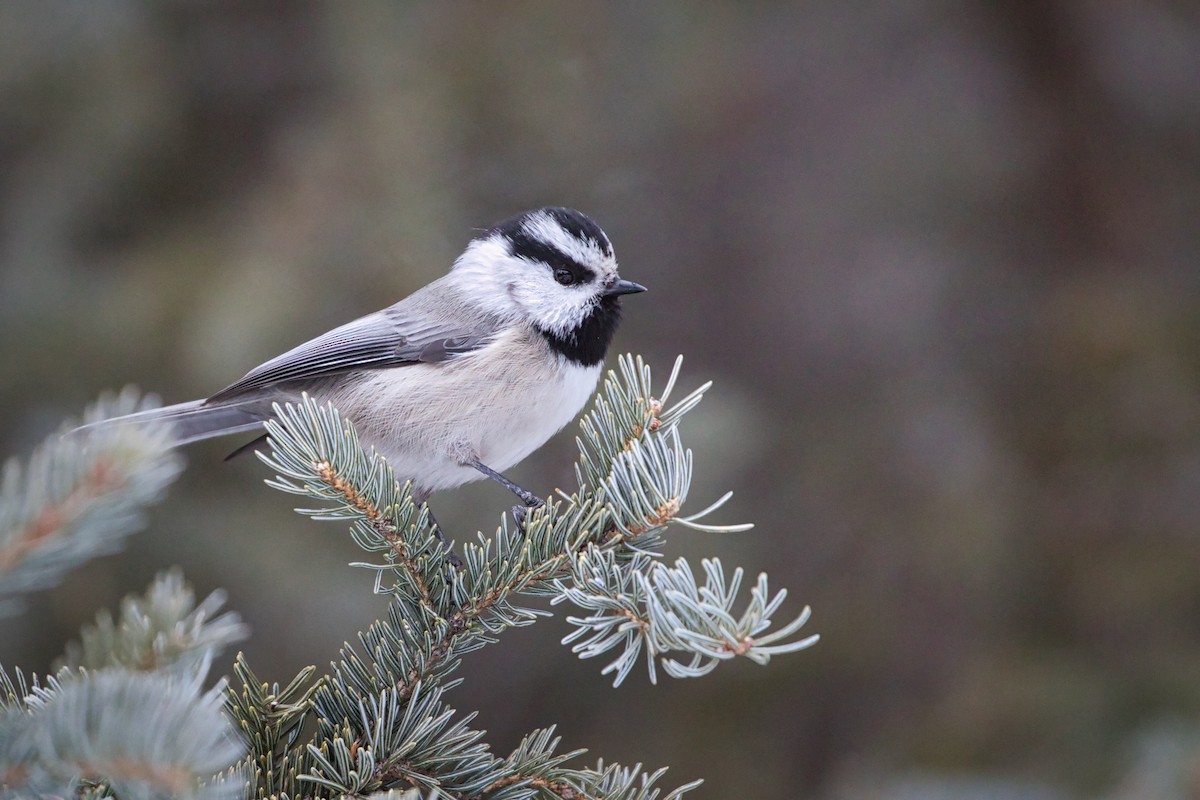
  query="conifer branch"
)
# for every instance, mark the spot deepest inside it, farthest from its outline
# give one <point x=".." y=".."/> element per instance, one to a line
<point x="138" y="734"/>
<point x="126" y="715"/>
<point x="78" y="497"/>
<point x="648" y="604"/>
<point x="634" y="476"/>
<point x="163" y="629"/>
<point x="317" y="454"/>
<point x="270" y="719"/>
<point x="615" y="782"/>
<point x="381" y="721"/>
<point x="138" y="726"/>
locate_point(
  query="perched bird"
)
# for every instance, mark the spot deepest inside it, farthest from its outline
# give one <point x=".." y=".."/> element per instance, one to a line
<point x="466" y="376"/>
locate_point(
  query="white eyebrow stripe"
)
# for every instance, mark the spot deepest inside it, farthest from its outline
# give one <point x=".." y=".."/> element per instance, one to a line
<point x="545" y="228"/>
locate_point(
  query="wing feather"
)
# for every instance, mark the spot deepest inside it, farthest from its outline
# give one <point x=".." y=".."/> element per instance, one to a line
<point x="390" y="338"/>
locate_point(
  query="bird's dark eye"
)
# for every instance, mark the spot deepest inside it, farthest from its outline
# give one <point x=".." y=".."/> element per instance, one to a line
<point x="564" y="276"/>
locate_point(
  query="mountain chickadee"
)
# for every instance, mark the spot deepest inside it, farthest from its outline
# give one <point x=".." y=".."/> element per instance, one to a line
<point x="466" y="376"/>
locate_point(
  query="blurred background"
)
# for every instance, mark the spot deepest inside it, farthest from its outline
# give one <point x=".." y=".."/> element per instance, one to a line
<point x="941" y="259"/>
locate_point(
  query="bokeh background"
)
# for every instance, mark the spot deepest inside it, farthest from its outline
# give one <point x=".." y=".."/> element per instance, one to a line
<point x="941" y="259"/>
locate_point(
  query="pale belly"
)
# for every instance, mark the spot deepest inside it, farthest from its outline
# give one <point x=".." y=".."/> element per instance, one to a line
<point x="497" y="405"/>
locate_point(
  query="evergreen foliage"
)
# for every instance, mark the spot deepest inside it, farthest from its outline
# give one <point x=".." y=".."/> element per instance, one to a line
<point x="78" y="497"/>
<point x="126" y="715"/>
<point x="164" y="630"/>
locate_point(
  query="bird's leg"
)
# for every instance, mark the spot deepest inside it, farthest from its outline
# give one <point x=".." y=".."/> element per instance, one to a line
<point x="451" y="556"/>
<point x="530" y="499"/>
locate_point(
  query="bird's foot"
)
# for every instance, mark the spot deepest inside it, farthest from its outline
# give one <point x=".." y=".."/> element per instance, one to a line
<point x="520" y="513"/>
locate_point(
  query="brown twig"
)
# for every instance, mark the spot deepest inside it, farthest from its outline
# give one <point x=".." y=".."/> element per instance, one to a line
<point x="379" y="522"/>
<point x="53" y="519"/>
<point x="560" y="788"/>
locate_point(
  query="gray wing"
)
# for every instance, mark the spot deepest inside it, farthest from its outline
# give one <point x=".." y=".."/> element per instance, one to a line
<point x="390" y="338"/>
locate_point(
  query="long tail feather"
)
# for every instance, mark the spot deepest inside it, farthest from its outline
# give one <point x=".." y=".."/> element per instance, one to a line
<point x="194" y="420"/>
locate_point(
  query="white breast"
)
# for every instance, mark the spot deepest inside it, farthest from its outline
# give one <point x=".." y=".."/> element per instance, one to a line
<point x="498" y="404"/>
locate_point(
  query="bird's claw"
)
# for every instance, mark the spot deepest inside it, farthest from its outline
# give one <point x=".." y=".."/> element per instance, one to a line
<point x="520" y="513"/>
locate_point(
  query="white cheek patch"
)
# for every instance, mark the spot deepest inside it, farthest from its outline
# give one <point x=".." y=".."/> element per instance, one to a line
<point x="481" y="282"/>
<point x="550" y="306"/>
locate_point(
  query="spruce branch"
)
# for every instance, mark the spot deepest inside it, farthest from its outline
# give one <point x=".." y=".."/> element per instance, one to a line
<point x="317" y="454"/>
<point x="536" y="765"/>
<point x="634" y="475"/>
<point x="380" y="718"/>
<point x="138" y="726"/>
<point x="399" y="740"/>
<point x="78" y="497"/>
<point x="647" y="604"/>
<point x="163" y="629"/>
<point x="270" y="719"/>
<point x="615" y="782"/>
<point x="536" y="770"/>
<point x="397" y="743"/>
<point x="133" y="734"/>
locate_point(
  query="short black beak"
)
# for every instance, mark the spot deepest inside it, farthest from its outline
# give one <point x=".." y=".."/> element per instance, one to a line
<point x="624" y="287"/>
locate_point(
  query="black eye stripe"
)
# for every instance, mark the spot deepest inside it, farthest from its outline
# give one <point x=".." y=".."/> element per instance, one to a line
<point x="522" y="245"/>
